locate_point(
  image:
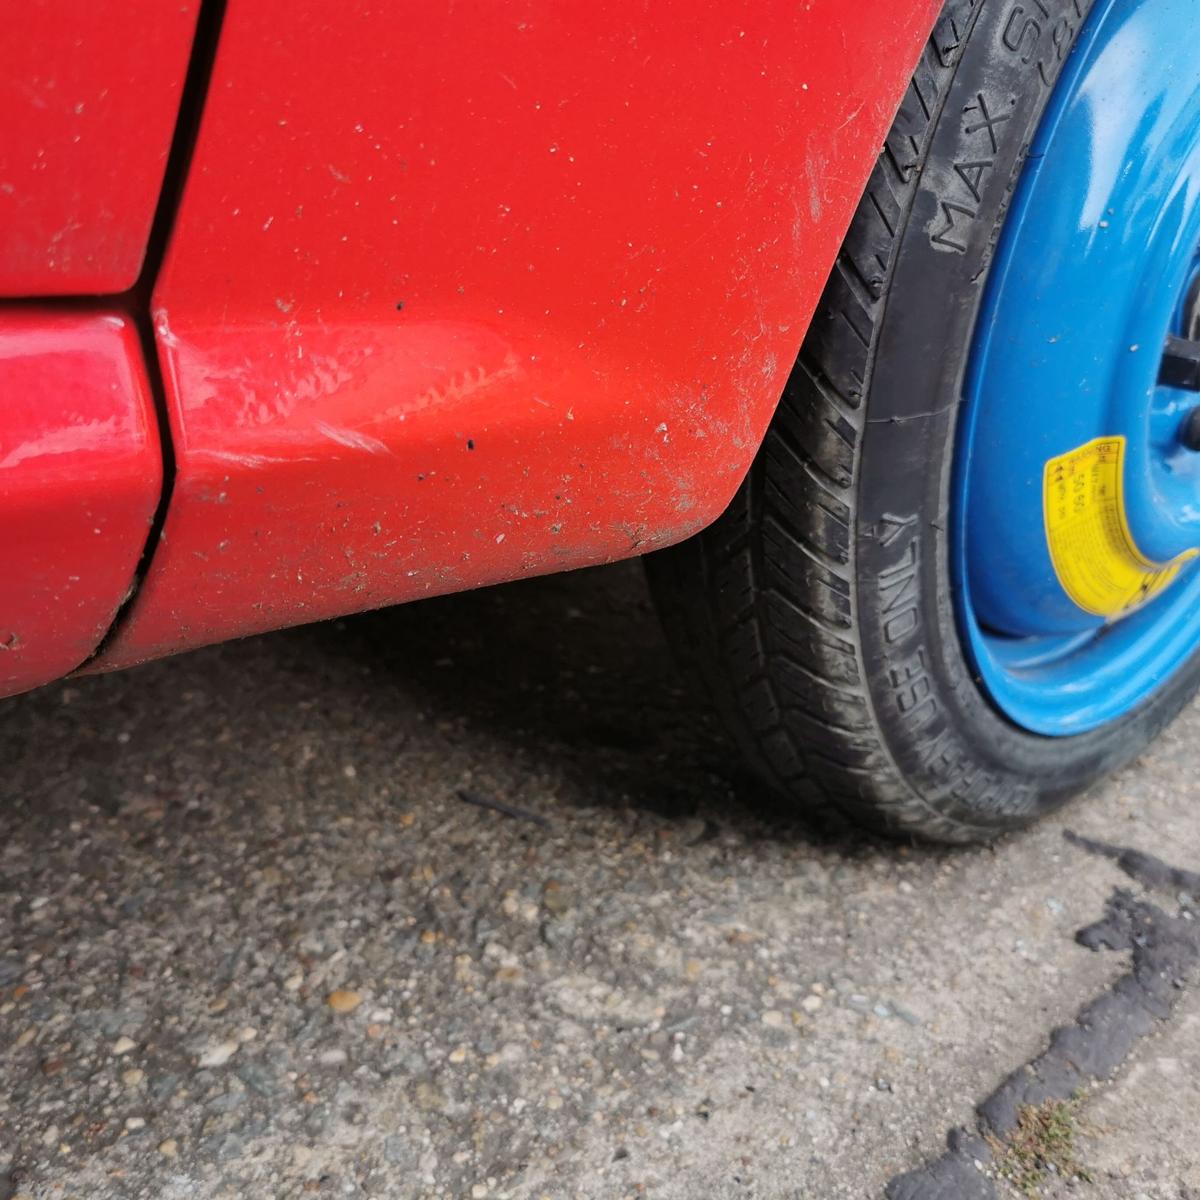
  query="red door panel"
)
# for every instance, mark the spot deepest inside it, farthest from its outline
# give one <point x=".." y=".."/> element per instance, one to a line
<point x="80" y="476"/>
<point x="89" y="93"/>
<point x="460" y="292"/>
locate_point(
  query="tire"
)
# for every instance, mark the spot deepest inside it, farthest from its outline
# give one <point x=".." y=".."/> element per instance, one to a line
<point x="818" y="611"/>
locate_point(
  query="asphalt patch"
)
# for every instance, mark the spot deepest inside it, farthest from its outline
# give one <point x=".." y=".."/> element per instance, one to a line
<point x="1164" y="949"/>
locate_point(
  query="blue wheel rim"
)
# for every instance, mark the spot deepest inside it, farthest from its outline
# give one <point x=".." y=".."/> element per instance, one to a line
<point x="1097" y="264"/>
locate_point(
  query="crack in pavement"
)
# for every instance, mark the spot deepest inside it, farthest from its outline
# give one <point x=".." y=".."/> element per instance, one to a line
<point x="1165" y="950"/>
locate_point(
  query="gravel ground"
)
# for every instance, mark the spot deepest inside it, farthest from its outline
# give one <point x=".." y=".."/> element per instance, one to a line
<point x="265" y="935"/>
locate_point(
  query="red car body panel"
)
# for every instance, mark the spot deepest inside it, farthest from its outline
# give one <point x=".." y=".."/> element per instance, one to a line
<point x="80" y="476"/>
<point x="459" y="293"/>
<point x="88" y="99"/>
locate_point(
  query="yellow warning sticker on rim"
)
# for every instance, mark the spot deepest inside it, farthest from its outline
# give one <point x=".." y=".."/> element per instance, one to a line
<point x="1093" y="551"/>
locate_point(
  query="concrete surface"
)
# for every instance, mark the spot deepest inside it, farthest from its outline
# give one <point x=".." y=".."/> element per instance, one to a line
<point x="639" y="985"/>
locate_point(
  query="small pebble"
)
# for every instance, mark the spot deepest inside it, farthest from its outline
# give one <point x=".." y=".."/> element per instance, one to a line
<point x="218" y="1054"/>
<point x="343" y="1001"/>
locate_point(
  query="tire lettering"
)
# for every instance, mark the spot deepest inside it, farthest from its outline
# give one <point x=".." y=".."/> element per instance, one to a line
<point x="971" y="173"/>
<point x="986" y="121"/>
<point x="912" y="689"/>
<point x="963" y="779"/>
<point x="962" y="197"/>
<point x="940" y="237"/>
<point x="1034" y="35"/>
<point x="1014" y="39"/>
<point x="890" y="527"/>
<point x="898" y="596"/>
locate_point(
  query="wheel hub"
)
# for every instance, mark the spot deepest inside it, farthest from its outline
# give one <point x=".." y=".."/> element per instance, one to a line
<point x="1078" y="474"/>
